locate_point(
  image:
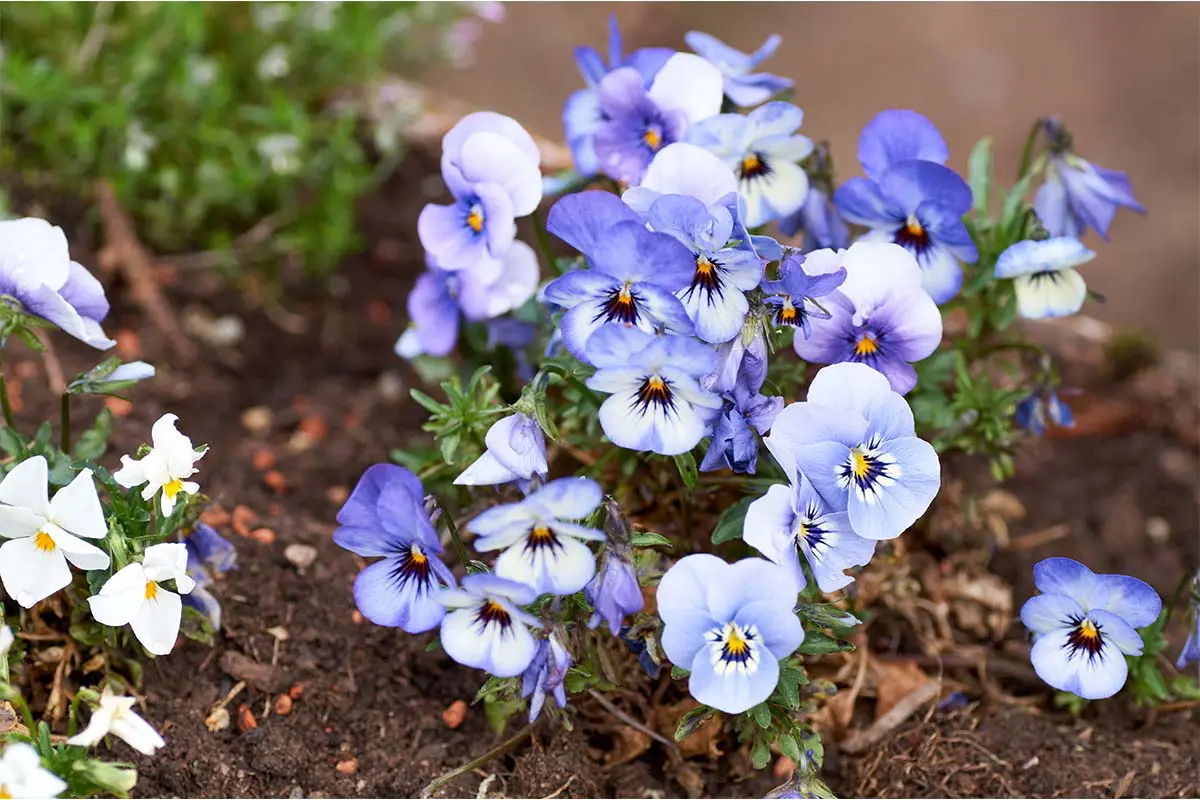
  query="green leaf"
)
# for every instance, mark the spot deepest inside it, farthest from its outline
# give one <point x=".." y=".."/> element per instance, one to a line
<point x="817" y="644"/>
<point x="542" y="415"/>
<point x="760" y="751"/>
<point x="86" y="633"/>
<point x="11" y="442"/>
<point x="789" y="747"/>
<point x="195" y="626"/>
<point x="425" y="401"/>
<point x="979" y="168"/>
<point x="498" y="712"/>
<point x="827" y="615"/>
<point x="650" y="539"/>
<point x="678" y="672"/>
<point x="436" y="644"/>
<point x="448" y="444"/>
<point x="730" y="525"/>
<point x="686" y="463"/>
<point x="762" y="715"/>
<point x="692" y="721"/>
<point x="1014" y="208"/>
<point x="790" y="681"/>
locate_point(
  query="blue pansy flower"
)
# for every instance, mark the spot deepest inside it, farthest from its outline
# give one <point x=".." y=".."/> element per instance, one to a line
<point x="743" y="86"/>
<point x="794" y="296"/>
<point x="1191" y="647"/>
<point x="910" y="198"/>
<point x="486" y="628"/>
<point x="1044" y="276"/>
<point x="765" y="151"/>
<point x="854" y="439"/>
<point x="639" y="121"/>
<point x="790" y="523"/>
<point x="1041" y="406"/>
<point x="545" y="675"/>
<point x="1084" y="625"/>
<point x="732" y="444"/>
<point x="1077" y="194"/>
<point x="652" y="383"/>
<point x="731" y="625"/>
<point x="582" y="115"/>
<point x="385" y="516"/>
<point x="615" y="592"/>
<point x="544" y="546"/>
<point x="208" y="554"/>
<point x="726" y="265"/>
<point x="741" y="360"/>
<point x="880" y="315"/>
<point x="818" y="217"/>
<point x="634" y="276"/>
<point x="516" y="451"/>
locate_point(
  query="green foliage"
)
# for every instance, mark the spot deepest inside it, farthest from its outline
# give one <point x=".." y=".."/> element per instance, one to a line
<point x="211" y="123"/>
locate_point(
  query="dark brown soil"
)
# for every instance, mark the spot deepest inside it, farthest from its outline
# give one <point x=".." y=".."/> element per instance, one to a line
<point x="367" y="720"/>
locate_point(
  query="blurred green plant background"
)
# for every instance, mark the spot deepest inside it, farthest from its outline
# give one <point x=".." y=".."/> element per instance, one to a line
<point x="230" y="127"/>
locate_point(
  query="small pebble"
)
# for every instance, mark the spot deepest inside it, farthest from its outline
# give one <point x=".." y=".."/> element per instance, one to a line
<point x="337" y="494"/>
<point x="275" y="480"/>
<point x="263" y="535"/>
<point x="301" y="556"/>
<point x="244" y="518"/>
<point x="257" y="419"/>
<point x="1030" y="764"/>
<point x="246" y="720"/>
<point x="218" y="720"/>
<point x="347" y="767"/>
<point x="454" y="714"/>
<point x="263" y="459"/>
<point x="296" y="690"/>
<point x="283" y="705"/>
<point x="356" y="617"/>
<point x="1158" y="529"/>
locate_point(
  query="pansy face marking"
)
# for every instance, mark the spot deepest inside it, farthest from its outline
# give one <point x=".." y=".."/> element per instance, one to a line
<point x="621" y="305"/>
<point x="492" y="613"/>
<point x="867" y="471"/>
<point x="1085" y="636"/>
<point x="474" y="218"/>
<point x="754" y="165"/>
<point x="706" y="280"/>
<point x="653" y="137"/>
<point x="734" y="648"/>
<point x="912" y="235"/>
<point x="654" y="391"/>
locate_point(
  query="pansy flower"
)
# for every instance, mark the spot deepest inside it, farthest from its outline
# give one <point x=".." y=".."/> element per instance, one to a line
<point x="741" y="360"/>
<point x="135" y="596"/>
<point x="1077" y="194"/>
<point x="791" y="523"/>
<point x="1191" y="647"/>
<point x="910" y="198"/>
<point x="22" y="774"/>
<point x="684" y="169"/>
<point x="516" y="450"/>
<point x="634" y="276"/>
<point x="385" y="516"/>
<point x="208" y="554"/>
<point x="44" y="534"/>
<point x="486" y="628"/>
<point x="639" y="121"/>
<point x="1040" y="407"/>
<point x="1085" y="624"/>
<point x="615" y="592"/>
<point x="732" y="443"/>
<point x="544" y="545"/>
<point x="726" y="264"/>
<point x="652" y="383"/>
<point x="743" y="86"/>
<point x="730" y="625"/>
<point x="794" y="296"/>
<point x="545" y="675"/>
<point x="116" y="716"/>
<point x="765" y="151"/>
<point x="1044" y="276"/>
<point x="854" y="440"/>
<point x="880" y="315"/>
<point x="36" y="270"/>
<point x="581" y="114"/>
<point x="166" y="468"/>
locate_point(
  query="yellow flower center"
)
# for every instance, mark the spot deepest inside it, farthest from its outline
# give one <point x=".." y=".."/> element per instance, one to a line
<point x="866" y="345"/>
<point x="416" y="556"/>
<point x="4" y="795"/>
<point x="172" y="488"/>
<point x="750" y="164"/>
<point x="914" y="227"/>
<point x="151" y="590"/>
<point x="475" y="219"/>
<point x="703" y="265"/>
<point x="802" y="531"/>
<point x="43" y="542"/>
<point x="1087" y="630"/>
<point x="735" y="645"/>
<point x="541" y="535"/>
<point x="859" y="463"/>
<point x="652" y="138"/>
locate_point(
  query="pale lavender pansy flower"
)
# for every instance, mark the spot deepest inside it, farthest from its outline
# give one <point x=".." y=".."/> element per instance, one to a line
<point x="545" y="547"/>
<point x="791" y="522"/>
<point x="741" y="360"/>
<point x="634" y="276"/>
<point x="516" y="450"/>
<point x="615" y="592"/>
<point x="1084" y="625"/>
<point x="652" y="383"/>
<point x="732" y="444"/>
<point x="730" y="625"/>
<point x="36" y="270"/>
<point x="910" y="198"/>
<point x="639" y="121"/>
<point x="685" y="169"/>
<point x="581" y="114"/>
<point x="794" y="295"/>
<point x="765" y="151"/>
<point x="385" y="516"/>
<point x="485" y="626"/>
<point x="1044" y="277"/>
<point x="854" y="439"/>
<point x="489" y="148"/>
<point x="545" y="675"/>
<point x="880" y="315"/>
<point x="1077" y="194"/>
<point x="743" y="86"/>
<point x="726" y="265"/>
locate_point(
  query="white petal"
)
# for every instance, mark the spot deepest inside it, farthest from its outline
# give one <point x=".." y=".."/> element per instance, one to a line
<point x="76" y="508"/>
<point x="27" y="485"/>
<point x="690" y="84"/>
<point x="678" y="432"/>
<point x="162" y="562"/>
<point x="16" y="522"/>
<point x="101" y="721"/>
<point x="561" y="570"/>
<point x="120" y="597"/>
<point x="82" y="554"/>
<point x="776" y="195"/>
<point x="137" y="733"/>
<point x="1059" y="296"/>
<point x="504" y="652"/>
<point x="156" y="624"/>
<point x="485" y="471"/>
<point x="132" y="473"/>
<point x="31" y="574"/>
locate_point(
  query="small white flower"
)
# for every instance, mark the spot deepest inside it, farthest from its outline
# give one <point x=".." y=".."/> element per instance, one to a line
<point x="45" y="532"/>
<point x="138" y="145"/>
<point x="269" y="16"/>
<point x="22" y="774"/>
<point x="116" y="716"/>
<point x="135" y="597"/>
<point x="280" y="151"/>
<point x="202" y="71"/>
<point x="167" y="466"/>
<point x="274" y="63"/>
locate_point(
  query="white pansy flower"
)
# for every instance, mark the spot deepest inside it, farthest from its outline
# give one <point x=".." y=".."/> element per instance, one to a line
<point x="116" y="716"/>
<point x="45" y="533"/>
<point x="167" y="466"/>
<point x="136" y="597"/>
<point x="22" y="774"/>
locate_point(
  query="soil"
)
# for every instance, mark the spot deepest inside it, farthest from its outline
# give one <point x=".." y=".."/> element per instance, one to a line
<point x="367" y="713"/>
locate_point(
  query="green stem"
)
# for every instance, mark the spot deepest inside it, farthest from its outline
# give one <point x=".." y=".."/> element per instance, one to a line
<point x="1027" y="151"/>
<point x="543" y="240"/>
<point x="8" y="412"/>
<point x="1188" y="577"/>
<point x="64" y="443"/>
<point x="494" y="753"/>
<point x="455" y="536"/>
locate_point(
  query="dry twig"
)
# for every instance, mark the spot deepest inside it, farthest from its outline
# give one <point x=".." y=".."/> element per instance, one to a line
<point x="861" y="740"/>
